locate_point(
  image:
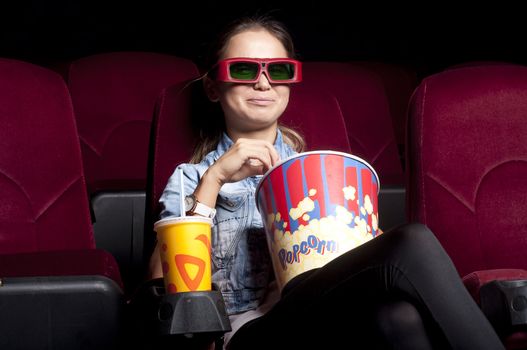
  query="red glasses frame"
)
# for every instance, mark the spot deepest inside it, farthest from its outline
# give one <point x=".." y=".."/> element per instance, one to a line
<point x="222" y="70"/>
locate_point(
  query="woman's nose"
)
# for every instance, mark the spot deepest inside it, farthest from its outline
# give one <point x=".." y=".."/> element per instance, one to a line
<point x="263" y="82"/>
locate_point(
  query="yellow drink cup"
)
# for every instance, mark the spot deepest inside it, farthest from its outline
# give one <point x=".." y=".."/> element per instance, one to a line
<point x="184" y="249"/>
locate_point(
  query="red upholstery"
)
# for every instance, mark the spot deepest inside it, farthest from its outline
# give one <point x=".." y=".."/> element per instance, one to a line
<point x="86" y="262"/>
<point x="467" y="167"/>
<point x="171" y="144"/>
<point x="468" y="164"/>
<point x="316" y="115"/>
<point x="516" y="341"/>
<point x="399" y="83"/>
<point x="363" y="103"/>
<point x="44" y="206"/>
<point x="40" y="165"/>
<point x="114" y="96"/>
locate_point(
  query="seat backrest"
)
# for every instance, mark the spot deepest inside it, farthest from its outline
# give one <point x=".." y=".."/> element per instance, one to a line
<point x="363" y="103"/>
<point x="315" y="114"/>
<point x="58" y="291"/>
<point x="44" y="203"/>
<point x="399" y="82"/>
<point x="467" y="164"/>
<point x="171" y="143"/>
<point x="362" y="99"/>
<point x="114" y="96"/>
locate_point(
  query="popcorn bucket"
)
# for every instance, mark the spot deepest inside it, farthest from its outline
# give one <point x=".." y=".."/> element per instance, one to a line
<point x="316" y="206"/>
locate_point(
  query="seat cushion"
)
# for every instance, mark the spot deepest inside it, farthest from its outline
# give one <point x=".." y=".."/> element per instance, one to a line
<point x="60" y="263"/>
<point x="516" y="341"/>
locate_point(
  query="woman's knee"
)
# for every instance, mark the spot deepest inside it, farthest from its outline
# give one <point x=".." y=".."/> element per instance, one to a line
<point x="397" y="315"/>
<point x="400" y="324"/>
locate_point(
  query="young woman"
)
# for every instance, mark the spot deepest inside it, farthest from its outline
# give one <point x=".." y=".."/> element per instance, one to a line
<point x="399" y="290"/>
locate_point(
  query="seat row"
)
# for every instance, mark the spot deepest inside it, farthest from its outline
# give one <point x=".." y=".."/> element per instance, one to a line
<point x="466" y="171"/>
<point x="350" y="107"/>
<point x="466" y="164"/>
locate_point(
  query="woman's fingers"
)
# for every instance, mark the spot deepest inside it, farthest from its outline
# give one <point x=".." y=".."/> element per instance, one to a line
<point x="247" y="157"/>
<point x="275" y="157"/>
<point x="258" y="156"/>
<point x="255" y="162"/>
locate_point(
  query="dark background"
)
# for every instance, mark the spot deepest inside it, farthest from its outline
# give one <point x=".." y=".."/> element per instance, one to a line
<point x="428" y="37"/>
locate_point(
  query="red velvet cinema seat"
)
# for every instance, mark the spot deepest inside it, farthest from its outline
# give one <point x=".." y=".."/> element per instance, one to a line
<point x="57" y="291"/>
<point x="467" y="167"/>
<point x="114" y="96"/>
<point x="363" y="102"/>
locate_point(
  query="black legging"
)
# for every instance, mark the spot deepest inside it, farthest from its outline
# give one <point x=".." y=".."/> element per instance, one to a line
<point x="338" y="305"/>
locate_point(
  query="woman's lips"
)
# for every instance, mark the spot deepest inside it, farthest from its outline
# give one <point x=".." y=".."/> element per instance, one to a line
<point x="260" y="101"/>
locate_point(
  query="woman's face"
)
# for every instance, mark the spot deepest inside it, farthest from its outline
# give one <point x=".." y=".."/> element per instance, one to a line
<point x="254" y="106"/>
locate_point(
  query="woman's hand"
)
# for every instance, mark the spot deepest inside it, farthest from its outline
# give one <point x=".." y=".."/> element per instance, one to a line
<point x="246" y="157"/>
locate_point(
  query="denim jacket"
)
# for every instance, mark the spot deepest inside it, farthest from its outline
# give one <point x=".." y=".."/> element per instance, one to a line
<point x="241" y="265"/>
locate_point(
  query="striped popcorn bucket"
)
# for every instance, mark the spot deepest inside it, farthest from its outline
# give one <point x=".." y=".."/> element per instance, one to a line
<point x="316" y="206"/>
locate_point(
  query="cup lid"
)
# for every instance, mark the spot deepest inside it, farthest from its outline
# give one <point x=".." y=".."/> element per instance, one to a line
<point x="176" y="219"/>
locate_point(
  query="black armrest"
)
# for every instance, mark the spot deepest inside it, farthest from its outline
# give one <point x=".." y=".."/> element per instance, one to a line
<point x="183" y="319"/>
<point x="63" y="312"/>
<point x="505" y="305"/>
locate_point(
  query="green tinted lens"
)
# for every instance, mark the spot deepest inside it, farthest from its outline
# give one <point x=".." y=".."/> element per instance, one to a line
<point x="281" y="71"/>
<point x="243" y="70"/>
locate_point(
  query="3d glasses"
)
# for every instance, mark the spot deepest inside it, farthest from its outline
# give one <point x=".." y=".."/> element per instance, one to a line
<point x="248" y="70"/>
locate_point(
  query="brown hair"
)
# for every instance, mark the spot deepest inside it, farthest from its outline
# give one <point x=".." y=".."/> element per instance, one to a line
<point x="210" y="123"/>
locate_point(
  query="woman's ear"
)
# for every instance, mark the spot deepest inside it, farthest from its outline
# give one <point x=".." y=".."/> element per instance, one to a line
<point x="211" y="89"/>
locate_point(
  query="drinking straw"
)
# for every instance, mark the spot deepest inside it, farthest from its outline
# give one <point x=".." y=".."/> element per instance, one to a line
<point x="182" y="192"/>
